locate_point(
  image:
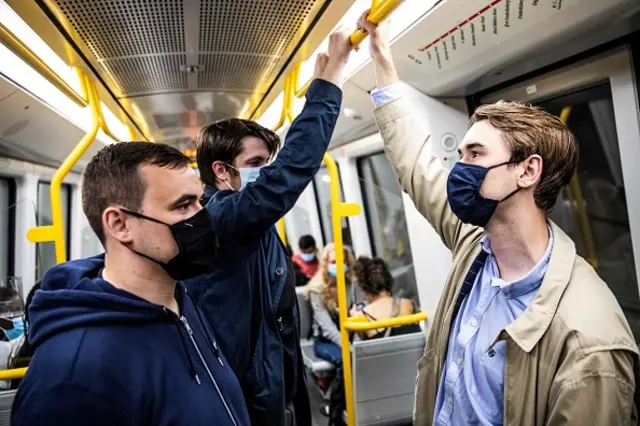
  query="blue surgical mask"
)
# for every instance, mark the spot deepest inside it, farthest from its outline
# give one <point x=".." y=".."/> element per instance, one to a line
<point x="333" y="269"/>
<point x="463" y="193"/>
<point x="17" y="330"/>
<point x="308" y="257"/>
<point x="248" y="175"/>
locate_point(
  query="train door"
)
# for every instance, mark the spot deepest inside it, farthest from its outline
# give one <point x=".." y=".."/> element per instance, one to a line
<point x="600" y="209"/>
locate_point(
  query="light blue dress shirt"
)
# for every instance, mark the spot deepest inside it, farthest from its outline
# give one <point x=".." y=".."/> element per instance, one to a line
<point x="471" y="390"/>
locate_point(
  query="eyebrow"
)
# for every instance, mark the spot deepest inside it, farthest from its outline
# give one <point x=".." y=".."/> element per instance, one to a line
<point x="470" y="146"/>
<point x="184" y="198"/>
<point x="255" y="158"/>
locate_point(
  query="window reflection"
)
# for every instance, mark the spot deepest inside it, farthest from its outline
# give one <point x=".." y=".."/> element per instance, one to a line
<point x="386" y="220"/>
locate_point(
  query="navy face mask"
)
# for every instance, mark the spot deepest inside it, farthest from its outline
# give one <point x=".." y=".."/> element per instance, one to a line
<point x="463" y="193"/>
<point x="197" y="245"/>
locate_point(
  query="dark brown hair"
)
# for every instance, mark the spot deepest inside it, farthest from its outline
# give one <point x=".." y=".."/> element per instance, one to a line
<point x="112" y="177"/>
<point x="222" y="141"/>
<point x="373" y="275"/>
<point x="529" y="130"/>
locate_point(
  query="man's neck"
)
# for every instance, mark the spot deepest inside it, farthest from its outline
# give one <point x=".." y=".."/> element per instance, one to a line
<point x="518" y="241"/>
<point x="142" y="277"/>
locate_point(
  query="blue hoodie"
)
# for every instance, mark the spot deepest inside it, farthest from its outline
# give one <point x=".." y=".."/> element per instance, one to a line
<point x="106" y="357"/>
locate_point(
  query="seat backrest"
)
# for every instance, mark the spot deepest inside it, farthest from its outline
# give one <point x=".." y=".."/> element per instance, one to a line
<point x="6" y="401"/>
<point x="384" y="378"/>
<point x="306" y="314"/>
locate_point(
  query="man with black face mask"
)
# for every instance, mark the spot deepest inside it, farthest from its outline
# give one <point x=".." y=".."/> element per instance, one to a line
<point x="526" y="332"/>
<point x="117" y="340"/>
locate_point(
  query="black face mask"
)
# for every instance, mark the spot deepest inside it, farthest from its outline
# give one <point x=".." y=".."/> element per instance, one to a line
<point x="197" y="245"/>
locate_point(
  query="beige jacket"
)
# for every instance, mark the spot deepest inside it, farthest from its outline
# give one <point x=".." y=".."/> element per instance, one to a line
<point x="571" y="356"/>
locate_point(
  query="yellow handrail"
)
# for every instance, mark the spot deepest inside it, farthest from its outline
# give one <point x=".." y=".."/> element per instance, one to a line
<point x="285" y="113"/>
<point x="26" y="54"/>
<point x="338" y="211"/>
<point x="55" y="232"/>
<point x="282" y="231"/>
<point x="578" y="206"/>
<point x="380" y="10"/>
<point x="358" y="324"/>
<point x="15" y="373"/>
<point x="295" y="75"/>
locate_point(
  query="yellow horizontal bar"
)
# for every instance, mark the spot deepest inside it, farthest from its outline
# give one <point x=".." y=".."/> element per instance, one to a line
<point x="26" y="54"/>
<point x="358" y="325"/>
<point x="41" y="234"/>
<point x="349" y="209"/>
<point x="380" y="10"/>
<point x="16" y="373"/>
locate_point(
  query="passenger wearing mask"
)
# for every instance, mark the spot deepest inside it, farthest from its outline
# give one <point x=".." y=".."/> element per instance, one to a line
<point x="525" y="333"/>
<point x="321" y="292"/>
<point x="375" y="280"/>
<point x="117" y="339"/>
<point x="300" y="278"/>
<point x="307" y="259"/>
<point x="249" y="298"/>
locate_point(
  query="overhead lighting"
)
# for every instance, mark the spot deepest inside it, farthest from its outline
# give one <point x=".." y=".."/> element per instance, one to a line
<point x="23" y="75"/>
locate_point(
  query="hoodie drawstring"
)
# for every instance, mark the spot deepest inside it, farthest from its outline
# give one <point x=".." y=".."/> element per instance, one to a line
<point x="214" y="344"/>
<point x="192" y="369"/>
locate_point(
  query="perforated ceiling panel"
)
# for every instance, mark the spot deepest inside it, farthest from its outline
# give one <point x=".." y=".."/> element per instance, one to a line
<point x="251" y="26"/>
<point x="214" y="53"/>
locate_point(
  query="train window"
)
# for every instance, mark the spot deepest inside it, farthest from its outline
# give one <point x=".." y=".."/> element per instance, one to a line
<point x="7" y="227"/>
<point x="321" y="183"/>
<point x="45" y="252"/>
<point x="593" y="208"/>
<point x="386" y="220"/>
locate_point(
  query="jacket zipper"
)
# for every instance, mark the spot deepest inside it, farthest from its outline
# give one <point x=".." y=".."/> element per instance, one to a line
<point x="280" y="326"/>
<point x="206" y="366"/>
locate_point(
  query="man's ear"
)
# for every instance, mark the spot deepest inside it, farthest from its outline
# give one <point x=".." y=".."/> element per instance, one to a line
<point x="220" y="170"/>
<point x="531" y="171"/>
<point x="115" y="224"/>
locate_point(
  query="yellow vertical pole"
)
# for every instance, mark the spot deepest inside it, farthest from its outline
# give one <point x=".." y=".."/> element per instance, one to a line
<point x="282" y="231"/>
<point x="338" y="211"/>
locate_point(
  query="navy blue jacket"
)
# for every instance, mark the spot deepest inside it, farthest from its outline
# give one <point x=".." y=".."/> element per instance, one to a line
<point x="106" y="357"/>
<point x="241" y="296"/>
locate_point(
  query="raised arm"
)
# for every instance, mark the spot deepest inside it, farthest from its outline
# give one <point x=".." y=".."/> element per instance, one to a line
<point x="251" y="211"/>
<point x="407" y="142"/>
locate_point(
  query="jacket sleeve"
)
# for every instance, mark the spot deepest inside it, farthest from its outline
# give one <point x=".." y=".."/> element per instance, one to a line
<point x="67" y="405"/>
<point x="323" y="319"/>
<point x="250" y="212"/>
<point x="596" y="397"/>
<point x="409" y="148"/>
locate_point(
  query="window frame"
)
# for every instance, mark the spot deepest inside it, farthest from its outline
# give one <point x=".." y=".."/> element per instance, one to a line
<point x="11" y="224"/>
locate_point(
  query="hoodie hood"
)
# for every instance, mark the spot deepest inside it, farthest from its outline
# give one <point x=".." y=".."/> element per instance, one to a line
<point x="73" y="294"/>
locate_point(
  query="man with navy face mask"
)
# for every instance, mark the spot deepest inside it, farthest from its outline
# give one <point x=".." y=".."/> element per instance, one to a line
<point x="525" y="333"/>
<point x="249" y="296"/>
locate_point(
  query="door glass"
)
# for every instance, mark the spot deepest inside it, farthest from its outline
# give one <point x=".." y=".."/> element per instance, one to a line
<point x="384" y="210"/>
<point x="592" y="210"/>
<point x="46" y="252"/>
<point x="322" y="185"/>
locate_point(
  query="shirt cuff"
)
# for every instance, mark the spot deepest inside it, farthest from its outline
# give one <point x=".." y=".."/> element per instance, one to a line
<point x="386" y="94"/>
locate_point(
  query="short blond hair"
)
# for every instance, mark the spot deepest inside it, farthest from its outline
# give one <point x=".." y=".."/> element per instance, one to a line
<point x="529" y="130"/>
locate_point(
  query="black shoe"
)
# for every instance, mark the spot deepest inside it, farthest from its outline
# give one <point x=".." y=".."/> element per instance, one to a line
<point x="324" y="410"/>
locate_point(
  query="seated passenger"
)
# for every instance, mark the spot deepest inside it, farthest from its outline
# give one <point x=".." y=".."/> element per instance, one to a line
<point x="321" y="291"/>
<point x="375" y="280"/>
<point x="307" y="259"/>
<point x="24" y="351"/>
<point x="247" y="191"/>
<point x="117" y="340"/>
<point x="300" y="278"/>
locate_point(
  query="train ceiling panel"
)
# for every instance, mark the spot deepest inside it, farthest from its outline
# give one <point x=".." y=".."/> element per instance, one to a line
<point x="460" y="46"/>
<point x="168" y="56"/>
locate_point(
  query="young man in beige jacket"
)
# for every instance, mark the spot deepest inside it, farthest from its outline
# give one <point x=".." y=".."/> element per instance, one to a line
<point x="525" y="332"/>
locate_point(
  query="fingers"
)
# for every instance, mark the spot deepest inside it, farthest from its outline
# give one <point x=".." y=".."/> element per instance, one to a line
<point x="321" y="63"/>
